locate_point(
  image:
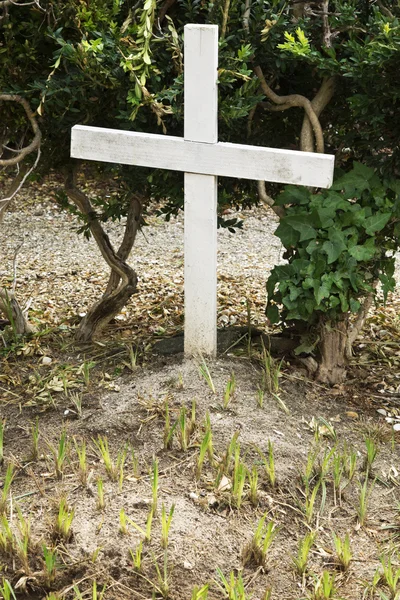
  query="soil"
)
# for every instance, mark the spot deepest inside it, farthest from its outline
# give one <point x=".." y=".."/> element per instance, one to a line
<point x="120" y="388"/>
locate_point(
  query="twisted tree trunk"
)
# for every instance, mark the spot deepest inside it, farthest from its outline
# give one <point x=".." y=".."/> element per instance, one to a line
<point x="123" y="280"/>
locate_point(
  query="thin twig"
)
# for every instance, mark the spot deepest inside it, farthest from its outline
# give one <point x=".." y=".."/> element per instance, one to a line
<point x="14" y="283"/>
<point x="285" y="102"/>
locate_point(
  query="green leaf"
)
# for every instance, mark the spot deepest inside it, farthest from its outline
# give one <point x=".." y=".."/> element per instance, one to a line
<point x="354" y="305"/>
<point x="273" y="313"/>
<point x="334" y="246"/>
<point x="322" y="291"/>
<point x="376" y="223"/>
<point x="288" y="236"/>
<point x="301" y="223"/>
<point x="361" y="253"/>
<point x="293" y="194"/>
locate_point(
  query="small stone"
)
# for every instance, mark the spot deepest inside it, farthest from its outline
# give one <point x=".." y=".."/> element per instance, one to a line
<point x="46" y="360"/>
<point x="224" y="484"/>
<point x="396" y="426"/>
<point x="193" y="496"/>
<point x="187" y="565"/>
<point x="382" y="411"/>
<point x="351" y="414"/>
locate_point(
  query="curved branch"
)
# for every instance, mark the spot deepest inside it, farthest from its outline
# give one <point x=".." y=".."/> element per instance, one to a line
<point x="285" y="102"/>
<point x="34" y="145"/>
<point x="268" y="201"/>
<point x="133" y="220"/>
<point x="358" y="323"/>
<point x="318" y="103"/>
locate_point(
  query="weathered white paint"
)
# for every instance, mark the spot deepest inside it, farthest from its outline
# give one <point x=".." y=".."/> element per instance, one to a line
<point x="202" y="158"/>
<point x="201" y="129"/>
<point x="226" y="160"/>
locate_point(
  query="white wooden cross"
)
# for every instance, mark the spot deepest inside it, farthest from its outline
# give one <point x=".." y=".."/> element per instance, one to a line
<point x="202" y="158"/>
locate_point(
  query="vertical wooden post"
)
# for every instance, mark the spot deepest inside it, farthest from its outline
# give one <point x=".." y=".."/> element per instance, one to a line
<point x="201" y="125"/>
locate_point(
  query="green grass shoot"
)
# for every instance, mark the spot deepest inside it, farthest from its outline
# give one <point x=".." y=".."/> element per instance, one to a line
<point x="166" y="521"/>
<point x="63" y="525"/>
<point x="100" y="494"/>
<point x="230" y="389"/>
<point x="343" y="551"/>
<point x="205" y="373"/>
<point x="301" y="560"/>
<point x="7" y="481"/>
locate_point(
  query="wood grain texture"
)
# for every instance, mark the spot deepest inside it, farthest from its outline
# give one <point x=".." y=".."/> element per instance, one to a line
<point x="223" y="159"/>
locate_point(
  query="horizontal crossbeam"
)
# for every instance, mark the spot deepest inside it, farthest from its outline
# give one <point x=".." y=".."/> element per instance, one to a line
<point x="221" y="159"/>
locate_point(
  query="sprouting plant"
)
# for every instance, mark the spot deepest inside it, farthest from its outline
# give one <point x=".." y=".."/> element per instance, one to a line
<point x="271" y="371"/>
<point x="309" y="502"/>
<point x="371" y="454"/>
<point x="95" y="554"/>
<point x="6" y="590"/>
<point x="166" y="524"/>
<point x="146" y="533"/>
<point x="50" y="564"/>
<point x="60" y="454"/>
<point x="310" y="469"/>
<point x="350" y="462"/>
<point x="225" y="462"/>
<point x="229" y="390"/>
<point x="123" y="527"/>
<point x="205" y="373"/>
<point x="76" y="399"/>
<point x="6" y="535"/>
<point x="200" y="593"/>
<point x="162" y="586"/>
<point x="253" y="483"/>
<point x="82" y="461"/>
<point x="7" y="481"/>
<point x="324" y="587"/>
<point x="85" y="369"/>
<point x="337" y="473"/>
<point x="95" y="595"/>
<point x="300" y="561"/>
<point x="269" y="463"/>
<point x="100" y="494"/>
<point x="232" y="588"/>
<point x="260" y="397"/>
<point x="63" y="525"/>
<point x="363" y="500"/>
<point x="257" y="549"/>
<point x="23" y="540"/>
<point x="132" y="357"/>
<point x="102" y="446"/>
<point x="238" y="481"/>
<point x="154" y="486"/>
<point x="183" y="430"/>
<point x="391" y="575"/>
<point x="35" y="440"/>
<point x="137" y="556"/>
<point x="343" y="551"/>
<point x="135" y="463"/>
<point x="2" y="427"/>
<point x="204" y="446"/>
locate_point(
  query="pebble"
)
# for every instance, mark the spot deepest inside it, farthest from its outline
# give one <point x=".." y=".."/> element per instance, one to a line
<point x="46" y="360"/>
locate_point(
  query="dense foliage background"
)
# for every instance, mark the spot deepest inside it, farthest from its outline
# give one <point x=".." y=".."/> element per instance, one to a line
<point x="119" y="64"/>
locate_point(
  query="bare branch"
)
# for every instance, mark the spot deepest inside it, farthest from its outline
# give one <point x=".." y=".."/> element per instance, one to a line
<point x="358" y="323"/>
<point x="246" y="16"/>
<point x="16" y="186"/>
<point x="290" y="101"/>
<point x="35" y="144"/>
<point x="225" y="16"/>
<point x="14" y="283"/>
<point x="318" y="103"/>
<point x="326" y="39"/>
<point x="268" y="201"/>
